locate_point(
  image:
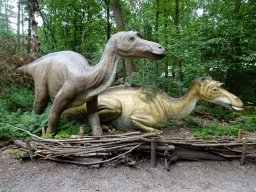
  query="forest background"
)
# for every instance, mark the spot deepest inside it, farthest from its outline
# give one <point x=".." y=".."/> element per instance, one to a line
<point x="202" y="38"/>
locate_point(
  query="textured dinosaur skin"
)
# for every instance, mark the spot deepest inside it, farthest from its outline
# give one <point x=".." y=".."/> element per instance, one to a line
<point x="68" y="79"/>
<point x="129" y="107"/>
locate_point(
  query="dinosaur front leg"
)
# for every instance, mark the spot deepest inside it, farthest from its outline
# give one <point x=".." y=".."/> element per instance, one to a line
<point x="93" y="116"/>
<point x="109" y="108"/>
<point x="62" y="100"/>
<point x="54" y="116"/>
<point x="143" y="122"/>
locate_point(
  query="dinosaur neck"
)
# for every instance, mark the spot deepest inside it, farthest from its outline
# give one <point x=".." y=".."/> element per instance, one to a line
<point x="179" y="108"/>
<point x="104" y="72"/>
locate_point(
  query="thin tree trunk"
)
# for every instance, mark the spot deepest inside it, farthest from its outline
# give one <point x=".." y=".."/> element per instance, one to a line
<point x="29" y="30"/>
<point x="75" y="26"/>
<point x="22" y="27"/>
<point x="6" y="16"/>
<point x="18" y="26"/>
<point x="108" y="19"/>
<point x="157" y="17"/>
<point x="33" y="25"/>
<point x="176" y="22"/>
<point x="166" y="42"/>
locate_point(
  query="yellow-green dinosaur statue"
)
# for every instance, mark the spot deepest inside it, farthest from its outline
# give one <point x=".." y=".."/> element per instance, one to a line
<point x="129" y="106"/>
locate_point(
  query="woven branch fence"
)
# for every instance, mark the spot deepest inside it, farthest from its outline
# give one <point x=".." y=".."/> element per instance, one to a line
<point x="113" y="147"/>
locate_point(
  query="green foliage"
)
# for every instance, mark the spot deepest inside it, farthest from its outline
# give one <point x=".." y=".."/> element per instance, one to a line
<point x="248" y="124"/>
<point x="215" y="130"/>
<point x="61" y="134"/>
<point x="11" y="114"/>
<point x="15" y="97"/>
<point x="191" y="122"/>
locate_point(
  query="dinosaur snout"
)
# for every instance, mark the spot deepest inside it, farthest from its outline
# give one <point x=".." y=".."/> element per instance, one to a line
<point x="157" y="51"/>
<point x="237" y="104"/>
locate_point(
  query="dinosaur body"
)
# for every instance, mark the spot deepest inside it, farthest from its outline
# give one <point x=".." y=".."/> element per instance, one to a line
<point x="129" y="107"/>
<point x="68" y="79"/>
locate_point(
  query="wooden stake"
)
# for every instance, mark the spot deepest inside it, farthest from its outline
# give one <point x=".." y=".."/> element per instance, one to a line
<point x="153" y="153"/>
<point x="81" y="131"/>
<point x="30" y="150"/>
<point x="243" y="158"/>
<point x="43" y="131"/>
<point x="240" y="132"/>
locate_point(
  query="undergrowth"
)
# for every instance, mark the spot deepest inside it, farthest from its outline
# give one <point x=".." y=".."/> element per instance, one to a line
<point x="247" y="124"/>
<point x="16" y="110"/>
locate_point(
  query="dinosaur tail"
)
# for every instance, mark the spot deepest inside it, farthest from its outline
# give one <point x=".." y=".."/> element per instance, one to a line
<point x="24" y="69"/>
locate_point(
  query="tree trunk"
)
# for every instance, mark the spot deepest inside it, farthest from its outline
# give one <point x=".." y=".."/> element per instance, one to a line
<point x="107" y="2"/>
<point x="157" y="17"/>
<point x="120" y="27"/>
<point x="6" y="16"/>
<point x="176" y="23"/>
<point x="75" y="25"/>
<point x="29" y="30"/>
<point x="18" y="26"/>
<point x="166" y="43"/>
<point x="117" y="15"/>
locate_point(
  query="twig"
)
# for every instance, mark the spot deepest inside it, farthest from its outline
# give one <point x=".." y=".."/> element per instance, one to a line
<point x="22" y="130"/>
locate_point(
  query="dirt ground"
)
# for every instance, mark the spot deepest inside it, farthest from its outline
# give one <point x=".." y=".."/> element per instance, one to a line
<point x="183" y="176"/>
<point x="197" y="176"/>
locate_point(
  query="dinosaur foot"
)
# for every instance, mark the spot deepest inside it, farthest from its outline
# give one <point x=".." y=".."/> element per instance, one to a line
<point x="108" y="128"/>
<point x="97" y="131"/>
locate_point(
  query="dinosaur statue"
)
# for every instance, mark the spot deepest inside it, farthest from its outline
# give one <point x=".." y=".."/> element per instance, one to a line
<point x="66" y="77"/>
<point x="129" y="107"/>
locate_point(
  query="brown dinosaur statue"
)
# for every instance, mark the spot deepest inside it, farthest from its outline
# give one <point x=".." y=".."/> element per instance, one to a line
<point x="68" y="79"/>
<point x="129" y="107"/>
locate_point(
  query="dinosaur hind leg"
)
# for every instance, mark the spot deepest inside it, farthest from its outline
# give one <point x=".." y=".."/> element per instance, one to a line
<point x="41" y="99"/>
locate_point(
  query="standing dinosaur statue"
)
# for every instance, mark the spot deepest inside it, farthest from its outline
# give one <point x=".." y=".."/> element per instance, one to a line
<point x="68" y="79"/>
<point x="129" y="107"/>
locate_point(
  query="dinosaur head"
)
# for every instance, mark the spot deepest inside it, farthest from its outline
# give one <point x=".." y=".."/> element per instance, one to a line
<point x="129" y="45"/>
<point x="213" y="92"/>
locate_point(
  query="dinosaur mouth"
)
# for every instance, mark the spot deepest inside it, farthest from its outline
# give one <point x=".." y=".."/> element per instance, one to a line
<point x="158" y="55"/>
<point x="237" y="108"/>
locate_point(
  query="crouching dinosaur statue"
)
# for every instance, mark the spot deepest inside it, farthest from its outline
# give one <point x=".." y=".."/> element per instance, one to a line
<point x="66" y="77"/>
<point x="129" y="107"/>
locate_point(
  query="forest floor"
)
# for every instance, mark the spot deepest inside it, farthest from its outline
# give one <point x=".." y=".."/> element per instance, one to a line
<point x="183" y="176"/>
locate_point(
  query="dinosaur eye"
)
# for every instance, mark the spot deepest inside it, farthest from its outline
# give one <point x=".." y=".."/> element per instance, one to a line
<point x="131" y="38"/>
<point x="215" y="89"/>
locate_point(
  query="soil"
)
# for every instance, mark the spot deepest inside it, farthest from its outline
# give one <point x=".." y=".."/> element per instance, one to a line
<point x="183" y="176"/>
